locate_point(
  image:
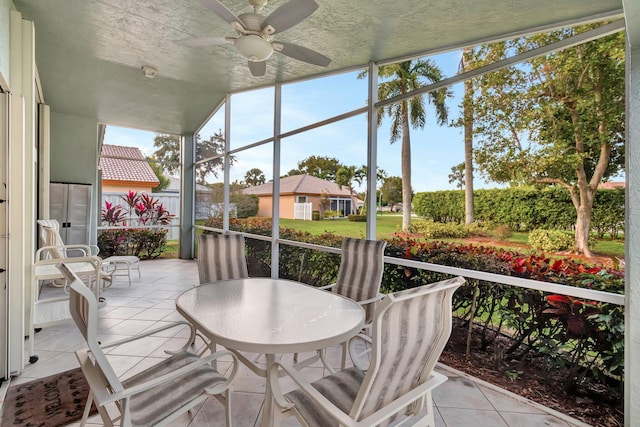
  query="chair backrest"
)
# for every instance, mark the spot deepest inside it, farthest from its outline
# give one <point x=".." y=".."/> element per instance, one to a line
<point x="50" y="236"/>
<point x="221" y="257"/>
<point x="361" y="268"/>
<point x="84" y="312"/>
<point x="410" y="330"/>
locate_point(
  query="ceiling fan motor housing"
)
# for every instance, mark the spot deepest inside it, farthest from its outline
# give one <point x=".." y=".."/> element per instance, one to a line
<point x="253" y="47"/>
<point x="252" y="21"/>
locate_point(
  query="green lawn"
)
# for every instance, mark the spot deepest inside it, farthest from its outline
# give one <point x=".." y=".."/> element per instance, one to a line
<point x="388" y="224"/>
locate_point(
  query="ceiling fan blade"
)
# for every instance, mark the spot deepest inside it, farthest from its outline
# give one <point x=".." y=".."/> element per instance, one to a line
<point x="222" y="11"/>
<point x="204" y="41"/>
<point x="258" y="68"/>
<point x="288" y="15"/>
<point x="301" y="53"/>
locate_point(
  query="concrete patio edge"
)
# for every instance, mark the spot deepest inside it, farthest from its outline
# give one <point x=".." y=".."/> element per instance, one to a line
<point x="557" y="414"/>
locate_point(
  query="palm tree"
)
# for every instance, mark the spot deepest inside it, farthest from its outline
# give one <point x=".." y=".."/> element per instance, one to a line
<point x="346" y="176"/>
<point x="398" y="79"/>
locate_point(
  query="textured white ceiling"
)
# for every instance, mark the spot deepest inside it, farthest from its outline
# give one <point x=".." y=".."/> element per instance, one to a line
<point x="89" y="52"/>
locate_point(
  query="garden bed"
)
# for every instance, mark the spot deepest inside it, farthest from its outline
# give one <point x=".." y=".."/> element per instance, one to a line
<point x="594" y="404"/>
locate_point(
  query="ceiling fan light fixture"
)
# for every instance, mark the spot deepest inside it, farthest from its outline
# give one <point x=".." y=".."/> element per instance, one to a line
<point x="254" y="47"/>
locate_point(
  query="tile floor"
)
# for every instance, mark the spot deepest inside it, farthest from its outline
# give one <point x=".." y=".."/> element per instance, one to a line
<point x="461" y="401"/>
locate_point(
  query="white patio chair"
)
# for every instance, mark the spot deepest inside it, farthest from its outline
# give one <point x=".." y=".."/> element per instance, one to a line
<point x="54" y="248"/>
<point x="50" y="236"/>
<point x="409" y="331"/>
<point x="154" y="397"/>
<point x="359" y="278"/>
<point x="221" y="257"/>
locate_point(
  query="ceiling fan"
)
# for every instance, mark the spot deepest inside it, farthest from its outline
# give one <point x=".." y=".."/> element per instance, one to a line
<point x="255" y="32"/>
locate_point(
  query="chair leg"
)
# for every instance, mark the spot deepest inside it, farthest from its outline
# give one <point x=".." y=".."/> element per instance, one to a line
<point x="323" y="357"/>
<point x="343" y="363"/>
<point x="227" y="406"/>
<point x="87" y="410"/>
<point x="427" y="404"/>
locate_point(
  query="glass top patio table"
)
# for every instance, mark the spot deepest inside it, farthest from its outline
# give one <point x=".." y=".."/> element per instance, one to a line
<point x="270" y="316"/>
<point x="276" y="316"/>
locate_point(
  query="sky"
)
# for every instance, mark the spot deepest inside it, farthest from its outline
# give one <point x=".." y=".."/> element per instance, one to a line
<point x="435" y="149"/>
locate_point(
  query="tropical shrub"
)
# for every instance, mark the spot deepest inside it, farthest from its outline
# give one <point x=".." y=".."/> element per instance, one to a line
<point x="142" y="242"/>
<point x="503" y="232"/>
<point x="550" y="240"/>
<point x="140" y="209"/>
<point x="476" y="229"/>
<point x="246" y="204"/>
<point x="593" y="348"/>
<point x="439" y="230"/>
<point x="331" y="214"/>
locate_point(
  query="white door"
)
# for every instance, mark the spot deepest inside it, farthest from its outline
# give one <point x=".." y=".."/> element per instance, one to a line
<point x="70" y="204"/>
<point x="4" y="300"/>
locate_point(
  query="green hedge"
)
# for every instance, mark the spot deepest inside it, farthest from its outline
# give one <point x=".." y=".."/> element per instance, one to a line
<point x="144" y="243"/>
<point x="524" y="208"/>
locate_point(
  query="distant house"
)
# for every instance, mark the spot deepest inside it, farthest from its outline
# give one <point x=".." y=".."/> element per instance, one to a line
<point x="174" y="186"/>
<point x="302" y="189"/>
<point x="124" y="169"/>
<point x="204" y="197"/>
<point x="611" y="185"/>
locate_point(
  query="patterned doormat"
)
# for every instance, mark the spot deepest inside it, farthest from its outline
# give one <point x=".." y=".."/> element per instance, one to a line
<point x="52" y="401"/>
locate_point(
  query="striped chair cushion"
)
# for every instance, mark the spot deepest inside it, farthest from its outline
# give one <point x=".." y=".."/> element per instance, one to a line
<point x="340" y="388"/>
<point x="154" y="405"/>
<point x="79" y="308"/>
<point x="412" y="335"/>
<point x="51" y="237"/>
<point x="361" y="268"/>
<point x="221" y="257"/>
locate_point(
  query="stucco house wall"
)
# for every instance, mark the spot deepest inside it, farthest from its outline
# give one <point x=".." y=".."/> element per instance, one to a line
<point x="293" y="187"/>
<point x="125" y="186"/>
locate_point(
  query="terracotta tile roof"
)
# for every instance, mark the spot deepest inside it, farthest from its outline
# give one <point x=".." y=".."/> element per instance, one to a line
<point x="120" y="169"/>
<point x="300" y="184"/>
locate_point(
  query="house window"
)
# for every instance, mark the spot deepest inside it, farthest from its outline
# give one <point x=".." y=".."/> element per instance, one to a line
<point x="301" y="199"/>
<point x="343" y="206"/>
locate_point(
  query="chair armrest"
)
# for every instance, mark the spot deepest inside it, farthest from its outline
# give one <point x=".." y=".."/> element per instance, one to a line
<point x="371" y="300"/>
<point x="179" y="373"/>
<point x="312" y="393"/>
<point x="85" y="249"/>
<point x="324" y="288"/>
<point x="47" y="268"/>
<point x="384" y="413"/>
<point x="155" y="331"/>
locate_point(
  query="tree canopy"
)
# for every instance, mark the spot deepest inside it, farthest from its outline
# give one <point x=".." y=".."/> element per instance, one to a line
<point x="392" y="190"/>
<point x="168" y="153"/>
<point x="557" y="119"/>
<point x="159" y="171"/>
<point x="254" y="177"/>
<point x="318" y="166"/>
